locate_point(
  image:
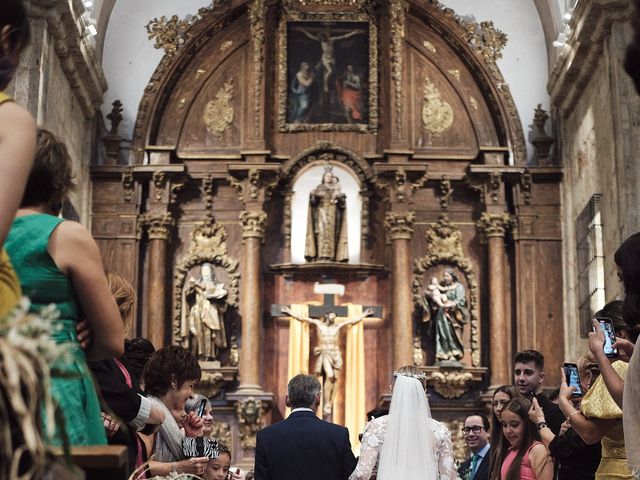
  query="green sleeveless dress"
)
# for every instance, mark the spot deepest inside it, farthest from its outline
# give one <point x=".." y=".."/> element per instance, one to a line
<point x="44" y="284"/>
<point x="9" y="285"/>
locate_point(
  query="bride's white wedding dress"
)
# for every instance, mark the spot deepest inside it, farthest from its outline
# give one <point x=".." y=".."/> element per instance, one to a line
<point x="407" y="444"/>
<point x="373" y="438"/>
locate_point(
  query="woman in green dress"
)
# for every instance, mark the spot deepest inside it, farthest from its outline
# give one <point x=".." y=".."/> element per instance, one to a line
<point x="17" y="141"/>
<point x="58" y="262"/>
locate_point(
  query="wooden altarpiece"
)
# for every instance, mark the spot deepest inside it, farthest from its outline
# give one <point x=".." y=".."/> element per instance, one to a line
<point x="437" y="151"/>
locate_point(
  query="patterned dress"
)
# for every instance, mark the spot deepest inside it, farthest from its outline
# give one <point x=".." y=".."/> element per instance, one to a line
<point x="373" y="438"/>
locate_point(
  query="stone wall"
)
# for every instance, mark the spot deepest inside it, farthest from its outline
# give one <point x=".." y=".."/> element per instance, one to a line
<point x="598" y="114"/>
<point x="61" y="84"/>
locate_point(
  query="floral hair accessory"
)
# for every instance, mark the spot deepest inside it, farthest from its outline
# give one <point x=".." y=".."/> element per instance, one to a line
<point x="417" y="376"/>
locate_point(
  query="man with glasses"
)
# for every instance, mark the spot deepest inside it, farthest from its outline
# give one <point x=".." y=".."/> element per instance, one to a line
<point x="476" y="436"/>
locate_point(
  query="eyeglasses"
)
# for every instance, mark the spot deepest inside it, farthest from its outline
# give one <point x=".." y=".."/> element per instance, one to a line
<point x="475" y="429"/>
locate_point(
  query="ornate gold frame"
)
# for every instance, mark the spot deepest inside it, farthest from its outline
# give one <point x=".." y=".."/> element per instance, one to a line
<point x="292" y="16"/>
<point x="444" y="247"/>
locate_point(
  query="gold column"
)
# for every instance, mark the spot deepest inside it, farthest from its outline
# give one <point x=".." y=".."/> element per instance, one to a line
<point x="494" y="227"/>
<point x="399" y="229"/>
<point x="253" y="223"/>
<point x="159" y="226"/>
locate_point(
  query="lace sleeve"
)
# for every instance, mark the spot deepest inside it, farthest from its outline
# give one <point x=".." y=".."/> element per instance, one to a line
<point x="372" y="439"/>
<point x="444" y="453"/>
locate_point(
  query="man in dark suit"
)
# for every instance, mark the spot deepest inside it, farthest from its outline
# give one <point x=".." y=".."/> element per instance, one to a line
<point x="528" y="376"/>
<point x="476" y="436"/>
<point x="303" y="446"/>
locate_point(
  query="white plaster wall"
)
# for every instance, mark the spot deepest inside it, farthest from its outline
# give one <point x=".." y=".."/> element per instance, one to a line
<point x="129" y="59"/>
<point x="524" y="59"/>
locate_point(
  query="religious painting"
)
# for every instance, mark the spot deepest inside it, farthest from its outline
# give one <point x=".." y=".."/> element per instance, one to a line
<point x="328" y="75"/>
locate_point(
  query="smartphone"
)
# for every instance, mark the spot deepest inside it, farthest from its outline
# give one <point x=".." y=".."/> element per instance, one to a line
<point x="201" y="407"/>
<point x="606" y="325"/>
<point x="572" y="378"/>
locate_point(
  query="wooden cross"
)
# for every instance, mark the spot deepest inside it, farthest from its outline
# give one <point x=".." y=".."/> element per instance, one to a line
<point x="328" y="305"/>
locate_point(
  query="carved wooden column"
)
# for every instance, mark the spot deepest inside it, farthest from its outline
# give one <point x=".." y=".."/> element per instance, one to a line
<point x="494" y="227"/>
<point x="399" y="229"/>
<point x="159" y="227"/>
<point x="399" y="182"/>
<point x="254" y="183"/>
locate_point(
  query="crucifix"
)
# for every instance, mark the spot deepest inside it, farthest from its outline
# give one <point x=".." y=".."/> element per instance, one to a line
<point x="328" y="355"/>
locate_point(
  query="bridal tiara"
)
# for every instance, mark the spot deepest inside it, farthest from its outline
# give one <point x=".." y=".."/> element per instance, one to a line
<point x="417" y="376"/>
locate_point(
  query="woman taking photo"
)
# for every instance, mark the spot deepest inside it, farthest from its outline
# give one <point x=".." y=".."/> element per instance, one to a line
<point x="521" y="455"/>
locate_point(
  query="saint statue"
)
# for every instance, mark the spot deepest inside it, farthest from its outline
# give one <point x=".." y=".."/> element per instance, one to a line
<point x="328" y="355"/>
<point x="326" y="239"/>
<point x="446" y="303"/>
<point x="202" y="320"/>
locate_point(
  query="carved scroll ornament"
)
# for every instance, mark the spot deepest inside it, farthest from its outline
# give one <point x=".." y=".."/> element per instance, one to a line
<point x="444" y="246"/>
<point x="494" y="225"/>
<point x="218" y="113"/>
<point x="437" y="114"/>
<point x="249" y="414"/>
<point x="451" y="384"/>
<point x="169" y="34"/>
<point x="399" y="226"/>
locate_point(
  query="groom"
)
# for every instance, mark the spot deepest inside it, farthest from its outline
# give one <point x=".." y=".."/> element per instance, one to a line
<point x="303" y="446"/>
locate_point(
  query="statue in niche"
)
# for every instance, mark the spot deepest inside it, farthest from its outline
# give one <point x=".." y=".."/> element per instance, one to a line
<point x="202" y="321"/>
<point x="326" y="239"/>
<point x="445" y="302"/>
<point x="328" y="355"/>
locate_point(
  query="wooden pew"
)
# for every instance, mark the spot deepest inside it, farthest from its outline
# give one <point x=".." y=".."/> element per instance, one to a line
<point x="108" y="462"/>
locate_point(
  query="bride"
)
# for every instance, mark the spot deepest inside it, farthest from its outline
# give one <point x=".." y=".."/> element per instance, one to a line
<point x="407" y="443"/>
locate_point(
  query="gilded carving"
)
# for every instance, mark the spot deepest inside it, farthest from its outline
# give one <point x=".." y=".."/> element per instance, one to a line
<point x="474" y="103"/>
<point x="221" y="431"/>
<point x="208" y="244"/>
<point x="495" y="180"/>
<point x="332" y="3"/>
<point x="399" y="189"/>
<point x="526" y="180"/>
<point x="494" y="225"/>
<point x="450" y="384"/>
<point x="207" y="188"/>
<point x="226" y="45"/>
<point x="253" y="224"/>
<point x="460" y="450"/>
<point x="254" y="187"/>
<point x="437" y="114"/>
<point x="444" y="246"/>
<point x="211" y="381"/>
<point x="455" y="73"/>
<point x="158" y="225"/>
<point x="418" y="354"/>
<point x="398" y="12"/>
<point x="218" y="113"/>
<point x="399" y="226"/>
<point x="249" y="414"/>
<point x="446" y="190"/>
<point x="256" y="21"/>
<point x="429" y="46"/>
<point x="487" y="39"/>
<point x="128" y="184"/>
<point x="168" y="34"/>
<point x="199" y="73"/>
<point x="159" y="182"/>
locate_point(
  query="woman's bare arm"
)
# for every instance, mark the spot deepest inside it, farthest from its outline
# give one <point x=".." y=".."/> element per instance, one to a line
<point x="76" y="254"/>
<point x="18" y="137"/>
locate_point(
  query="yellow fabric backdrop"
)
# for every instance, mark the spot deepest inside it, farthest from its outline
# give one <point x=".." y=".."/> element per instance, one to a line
<point x="298" y="344"/>
<point x="355" y="392"/>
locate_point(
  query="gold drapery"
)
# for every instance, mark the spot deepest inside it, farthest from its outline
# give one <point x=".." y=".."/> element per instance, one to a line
<point x="298" y="361"/>
<point x="355" y="392"/>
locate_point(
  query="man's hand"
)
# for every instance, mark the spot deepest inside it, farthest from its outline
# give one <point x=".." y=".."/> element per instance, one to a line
<point x="194" y="426"/>
<point x="596" y="339"/>
<point x="84" y="334"/>
<point x="111" y="425"/>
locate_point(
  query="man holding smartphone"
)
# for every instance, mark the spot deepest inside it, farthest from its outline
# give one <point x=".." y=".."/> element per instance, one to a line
<point x="528" y="373"/>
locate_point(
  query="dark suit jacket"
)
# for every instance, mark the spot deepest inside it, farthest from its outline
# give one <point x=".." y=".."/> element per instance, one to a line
<point x="482" y="472"/>
<point x="303" y="447"/>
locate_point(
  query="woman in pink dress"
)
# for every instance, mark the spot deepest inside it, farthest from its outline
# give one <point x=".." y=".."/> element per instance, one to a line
<point x="521" y="455"/>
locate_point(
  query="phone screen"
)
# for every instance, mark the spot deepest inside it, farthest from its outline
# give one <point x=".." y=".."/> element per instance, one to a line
<point x="201" y="407"/>
<point x="572" y="378"/>
<point x="609" y="337"/>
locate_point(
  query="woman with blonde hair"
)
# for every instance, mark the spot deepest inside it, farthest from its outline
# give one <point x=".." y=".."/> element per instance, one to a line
<point x="407" y="443"/>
